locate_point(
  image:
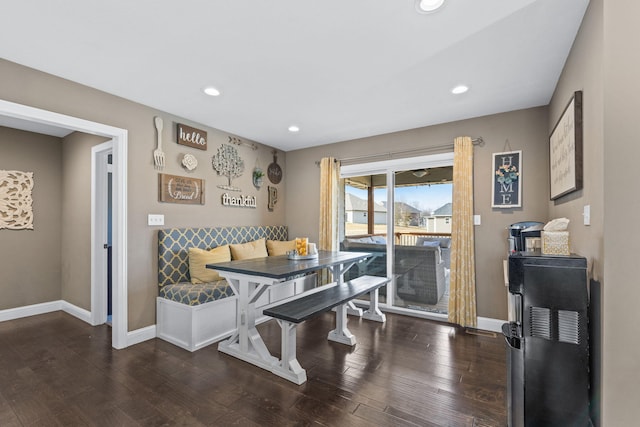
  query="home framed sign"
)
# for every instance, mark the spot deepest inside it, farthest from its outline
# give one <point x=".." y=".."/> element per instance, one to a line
<point x="565" y="150"/>
<point x="506" y="189"/>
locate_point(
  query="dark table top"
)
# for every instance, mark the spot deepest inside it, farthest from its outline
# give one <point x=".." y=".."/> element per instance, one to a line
<point x="280" y="267"/>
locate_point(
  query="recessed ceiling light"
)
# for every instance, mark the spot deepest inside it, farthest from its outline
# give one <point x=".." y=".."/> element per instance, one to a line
<point x="211" y="91"/>
<point x="459" y="89"/>
<point x="428" y="6"/>
<point x="294" y="128"/>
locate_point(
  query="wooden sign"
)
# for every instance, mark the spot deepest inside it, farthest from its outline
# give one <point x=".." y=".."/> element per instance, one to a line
<point x="274" y="171"/>
<point x="180" y="189"/>
<point x="565" y="150"/>
<point x="192" y="137"/>
<point x="506" y="190"/>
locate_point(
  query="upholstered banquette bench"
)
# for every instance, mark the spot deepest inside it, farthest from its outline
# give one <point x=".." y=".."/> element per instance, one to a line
<point x="195" y="306"/>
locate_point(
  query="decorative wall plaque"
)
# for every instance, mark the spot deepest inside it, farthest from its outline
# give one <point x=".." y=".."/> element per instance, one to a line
<point x="506" y="191"/>
<point x="227" y="162"/>
<point x="16" y="202"/>
<point x="192" y="137"/>
<point x="274" y="172"/>
<point x="180" y="189"/>
<point x="240" y="201"/>
<point x="273" y="198"/>
<point x="189" y="162"/>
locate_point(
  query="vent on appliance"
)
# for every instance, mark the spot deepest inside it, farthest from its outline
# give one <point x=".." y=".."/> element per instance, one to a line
<point x="540" y="322"/>
<point x="569" y="326"/>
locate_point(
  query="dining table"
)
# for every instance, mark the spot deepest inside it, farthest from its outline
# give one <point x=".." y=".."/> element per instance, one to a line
<point x="250" y="278"/>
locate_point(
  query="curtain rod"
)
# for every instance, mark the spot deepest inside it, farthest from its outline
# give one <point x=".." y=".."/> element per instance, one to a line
<point x="391" y="154"/>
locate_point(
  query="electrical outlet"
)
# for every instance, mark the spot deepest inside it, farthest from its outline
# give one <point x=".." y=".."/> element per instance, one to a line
<point x="154" y="220"/>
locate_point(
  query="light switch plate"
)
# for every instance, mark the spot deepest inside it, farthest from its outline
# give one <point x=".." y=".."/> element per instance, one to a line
<point x="477" y="220"/>
<point x="586" y="214"/>
<point x="154" y="219"/>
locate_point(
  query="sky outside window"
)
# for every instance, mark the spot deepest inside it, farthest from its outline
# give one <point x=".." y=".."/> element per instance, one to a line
<point x="422" y="197"/>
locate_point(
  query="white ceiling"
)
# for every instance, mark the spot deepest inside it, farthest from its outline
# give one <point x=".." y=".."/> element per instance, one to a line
<point x="338" y="69"/>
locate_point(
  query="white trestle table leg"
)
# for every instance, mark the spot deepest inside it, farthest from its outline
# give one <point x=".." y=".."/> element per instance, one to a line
<point x="341" y="334"/>
<point x="338" y="276"/>
<point x="246" y="344"/>
<point x="374" y="313"/>
<point x="288" y="366"/>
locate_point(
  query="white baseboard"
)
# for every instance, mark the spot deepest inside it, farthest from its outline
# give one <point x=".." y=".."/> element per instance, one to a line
<point x="30" y="310"/>
<point x="76" y="311"/>
<point x="141" y="335"/>
<point x="489" y="324"/>
<point x="133" y="337"/>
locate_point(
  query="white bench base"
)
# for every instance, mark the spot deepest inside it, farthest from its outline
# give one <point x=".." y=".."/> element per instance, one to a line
<point x="193" y="327"/>
<point x="197" y="326"/>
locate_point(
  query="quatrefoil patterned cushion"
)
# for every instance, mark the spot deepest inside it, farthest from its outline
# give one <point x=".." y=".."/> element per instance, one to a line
<point x="190" y="294"/>
<point x="174" y="244"/>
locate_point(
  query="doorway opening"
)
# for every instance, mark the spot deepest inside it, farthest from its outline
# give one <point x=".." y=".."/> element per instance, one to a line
<point x="118" y="146"/>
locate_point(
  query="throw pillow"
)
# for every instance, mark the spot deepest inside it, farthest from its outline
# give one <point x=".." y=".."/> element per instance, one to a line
<point x="277" y="247"/>
<point x="249" y="250"/>
<point x="198" y="260"/>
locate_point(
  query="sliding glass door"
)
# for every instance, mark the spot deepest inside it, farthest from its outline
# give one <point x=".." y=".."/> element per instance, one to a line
<point x="422" y="232"/>
<point x="400" y="211"/>
<point x="365" y="225"/>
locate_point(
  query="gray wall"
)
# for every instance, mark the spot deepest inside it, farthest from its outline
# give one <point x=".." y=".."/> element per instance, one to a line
<point x="526" y="130"/>
<point x="584" y="71"/>
<point x="30" y="259"/>
<point x="48" y="92"/>
<point x="621" y="206"/>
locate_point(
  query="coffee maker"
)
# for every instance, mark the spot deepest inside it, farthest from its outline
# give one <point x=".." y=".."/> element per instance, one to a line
<point x="520" y="232"/>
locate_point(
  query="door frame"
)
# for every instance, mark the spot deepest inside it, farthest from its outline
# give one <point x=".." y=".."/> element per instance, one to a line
<point x="389" y="168"/>
<point x="119" y="141"/>
<point x="99" y="206"/>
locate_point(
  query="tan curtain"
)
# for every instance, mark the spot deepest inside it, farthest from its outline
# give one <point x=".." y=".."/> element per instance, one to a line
<point x="328" y="239"/>
<point x="462" y="290"/>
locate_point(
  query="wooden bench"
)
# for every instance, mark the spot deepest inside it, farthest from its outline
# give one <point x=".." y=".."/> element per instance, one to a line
<point x="293" y="312"/>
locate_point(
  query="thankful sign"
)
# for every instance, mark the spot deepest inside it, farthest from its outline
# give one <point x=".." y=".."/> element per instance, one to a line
<point x="192" y="137"/>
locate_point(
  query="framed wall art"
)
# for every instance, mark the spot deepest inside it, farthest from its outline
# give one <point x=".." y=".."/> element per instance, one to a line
<point x="565" y="150"/>
<point x="506" y="189"/>
<point x="180" y="189"/>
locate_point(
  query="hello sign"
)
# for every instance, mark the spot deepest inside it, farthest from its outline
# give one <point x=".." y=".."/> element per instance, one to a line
<point x="192" y="137"/>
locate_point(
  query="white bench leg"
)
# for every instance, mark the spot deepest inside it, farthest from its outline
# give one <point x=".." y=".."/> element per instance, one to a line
<point x="288" y="367"/>
<point x="338" y="276"/>
<point x="341" y="334"/>
<point x="374" y="313"/>
<point x="353" y="310"/>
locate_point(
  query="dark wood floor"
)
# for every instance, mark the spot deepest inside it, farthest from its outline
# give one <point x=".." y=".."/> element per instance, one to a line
<point x="57" y="370"/>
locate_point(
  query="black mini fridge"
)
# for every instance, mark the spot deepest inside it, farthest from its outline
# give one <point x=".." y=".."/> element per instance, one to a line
<point x="548" y="348"/>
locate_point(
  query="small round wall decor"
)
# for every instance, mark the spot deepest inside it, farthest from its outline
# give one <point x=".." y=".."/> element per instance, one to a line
<point x="190" y="162"/>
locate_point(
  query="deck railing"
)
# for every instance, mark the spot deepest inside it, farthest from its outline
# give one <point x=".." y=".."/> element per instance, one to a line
<point x="404" y="238"/>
